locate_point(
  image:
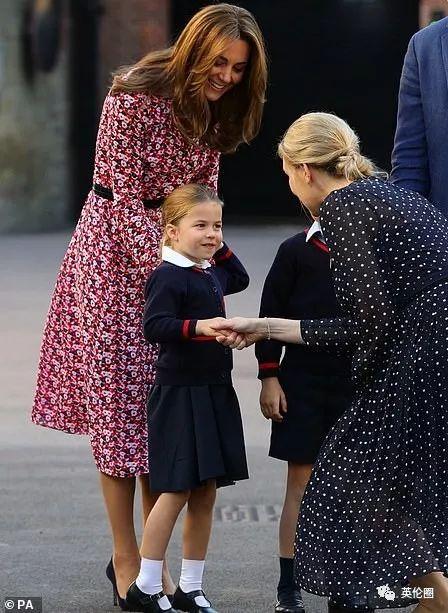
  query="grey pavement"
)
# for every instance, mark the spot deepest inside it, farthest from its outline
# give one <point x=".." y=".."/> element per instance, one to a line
<point x="54" y="539"/>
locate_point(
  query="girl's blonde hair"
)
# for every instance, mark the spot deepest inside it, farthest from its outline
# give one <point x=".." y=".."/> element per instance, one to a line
<point x="181" y="72"/>
<point x="327" y="142"/>
<point x="181" y="201"/>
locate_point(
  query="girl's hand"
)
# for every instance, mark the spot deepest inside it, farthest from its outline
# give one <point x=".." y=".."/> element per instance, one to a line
<point x="211" y="327"/>
<point x="234" y="340"/>
<point x="244" y="331"/>
<point x="272" y="399"/>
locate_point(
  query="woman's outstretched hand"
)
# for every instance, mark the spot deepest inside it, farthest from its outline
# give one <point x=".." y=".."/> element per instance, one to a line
<point x="210" y="327"/>
<point x="216" y="327"/>
<point x="240" y="332"/>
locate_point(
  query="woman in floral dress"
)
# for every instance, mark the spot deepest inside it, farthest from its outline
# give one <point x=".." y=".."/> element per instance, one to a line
<point x="164" y="124"/>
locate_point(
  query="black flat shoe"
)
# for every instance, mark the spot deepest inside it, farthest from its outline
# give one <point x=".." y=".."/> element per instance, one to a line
<point x="184" y="601"/>
<point x="121" y="602"/>
<point x="289" y="601"/>
<point x="147" y="603"/>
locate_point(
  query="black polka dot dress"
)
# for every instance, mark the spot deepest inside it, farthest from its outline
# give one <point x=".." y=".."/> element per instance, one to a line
<point x="375" y="512"/>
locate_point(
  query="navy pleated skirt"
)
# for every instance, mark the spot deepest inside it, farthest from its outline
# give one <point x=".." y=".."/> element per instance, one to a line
<point x="195" y="434"/>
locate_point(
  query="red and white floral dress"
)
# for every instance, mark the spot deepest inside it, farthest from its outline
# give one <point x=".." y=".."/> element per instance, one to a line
<point x="95" y="366"/>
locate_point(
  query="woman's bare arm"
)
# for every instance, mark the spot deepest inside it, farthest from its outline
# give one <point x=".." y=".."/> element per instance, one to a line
<point x="255" y="329"/>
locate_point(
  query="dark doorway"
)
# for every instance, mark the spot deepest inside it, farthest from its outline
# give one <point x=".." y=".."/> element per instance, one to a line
<point x="83" y="98"/>
<point x="343" y="56"/>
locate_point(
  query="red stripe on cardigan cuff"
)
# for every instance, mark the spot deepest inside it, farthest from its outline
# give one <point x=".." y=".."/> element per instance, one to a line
<point x="268" y="372"/>
<point x="189" y="328"/>
<point x="203" y="338"/>
<point x="268" y="365"/>
<point x="268" y="369"/>
<point x="192" y="328"/>
<point x="185" y="327"/>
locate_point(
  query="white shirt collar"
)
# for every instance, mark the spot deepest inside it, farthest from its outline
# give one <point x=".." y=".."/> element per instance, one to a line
<point x="174" y="257"/>
<point x="315" y="228"/>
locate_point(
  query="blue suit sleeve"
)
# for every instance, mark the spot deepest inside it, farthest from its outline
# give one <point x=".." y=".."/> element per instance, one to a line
<point x="410" y="155"/>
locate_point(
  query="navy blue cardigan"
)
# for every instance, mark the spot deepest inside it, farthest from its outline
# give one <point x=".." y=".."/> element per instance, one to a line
<point x="299" y="286"/>
<point x="176" y="298"/>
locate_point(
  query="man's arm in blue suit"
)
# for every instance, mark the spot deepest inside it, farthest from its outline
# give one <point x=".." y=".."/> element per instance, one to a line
<point x="410" y="155"/>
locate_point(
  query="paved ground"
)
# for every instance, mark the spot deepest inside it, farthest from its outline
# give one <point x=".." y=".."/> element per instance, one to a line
<point x="54" y="539"/>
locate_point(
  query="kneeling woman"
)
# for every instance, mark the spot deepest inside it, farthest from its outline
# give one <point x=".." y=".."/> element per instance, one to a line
<point x="372" y="528"/>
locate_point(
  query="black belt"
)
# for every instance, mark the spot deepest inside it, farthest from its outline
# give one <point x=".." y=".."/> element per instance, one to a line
<point x="105" y="192"/>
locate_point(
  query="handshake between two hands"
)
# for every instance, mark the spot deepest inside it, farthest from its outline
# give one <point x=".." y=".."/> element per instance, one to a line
<point x="236" y="333"/>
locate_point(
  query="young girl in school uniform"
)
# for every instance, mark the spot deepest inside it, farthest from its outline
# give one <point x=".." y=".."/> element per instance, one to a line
<point x="195" y="430"/>
<point x="305" y="394"/>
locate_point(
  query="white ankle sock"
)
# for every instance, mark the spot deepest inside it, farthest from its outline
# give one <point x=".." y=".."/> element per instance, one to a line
<point x="191" y="579"/>
<point x="149" y="580"/>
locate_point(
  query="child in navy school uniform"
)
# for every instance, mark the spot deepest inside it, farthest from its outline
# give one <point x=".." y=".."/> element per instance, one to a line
<point x="195" y="434"/>
<point x="308" y="391"/>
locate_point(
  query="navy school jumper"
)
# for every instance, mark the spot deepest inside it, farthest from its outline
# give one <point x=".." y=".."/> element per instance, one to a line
<point x="176" y="297"/>
<point x="299" y="286"/>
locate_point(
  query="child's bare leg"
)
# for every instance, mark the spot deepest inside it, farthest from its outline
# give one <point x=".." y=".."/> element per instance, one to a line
<point x="148" y="501"/>
<point x="160" y="523"/>
<point x="298" y="477"/>
<point x="197" y="528"/>
<point x="198" y="522"/>
<point x="158" y="529"/>
<point x="439" y="585"/>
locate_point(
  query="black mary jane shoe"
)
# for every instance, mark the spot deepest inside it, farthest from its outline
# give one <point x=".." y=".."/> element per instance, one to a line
<point x="289" y="601"/>
<point x="118" y="600"/>
<point x="147" y="603"/>
<point x="185" y="601"/>
<point x="335" y="608"/>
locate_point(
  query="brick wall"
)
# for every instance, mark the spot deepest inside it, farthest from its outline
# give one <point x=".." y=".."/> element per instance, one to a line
<point x="128" y="31"/>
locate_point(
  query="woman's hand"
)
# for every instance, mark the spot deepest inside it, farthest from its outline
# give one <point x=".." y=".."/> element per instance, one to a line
<point x="247" y="325"/>
<point x="212" y="327"/>
<point x="234" y="340"/>
<point x="240" y="332"/>
<point x="255" y="329"/>
<point x="216" y="328"/>
<point x="272" y="399"/>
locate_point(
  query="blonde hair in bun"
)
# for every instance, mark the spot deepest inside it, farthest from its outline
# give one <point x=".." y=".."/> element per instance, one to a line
<point x="327" y="142"/>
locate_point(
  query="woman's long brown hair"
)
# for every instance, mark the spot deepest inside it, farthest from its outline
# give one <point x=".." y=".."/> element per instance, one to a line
<point x="181" y="71"/>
